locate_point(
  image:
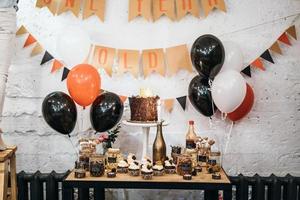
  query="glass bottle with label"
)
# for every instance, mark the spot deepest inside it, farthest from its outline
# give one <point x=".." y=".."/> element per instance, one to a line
<point x="191" y="137"/>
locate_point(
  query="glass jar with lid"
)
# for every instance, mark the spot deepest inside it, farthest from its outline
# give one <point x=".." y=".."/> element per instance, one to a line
<point x="97" y="165"/>
<point x="184" y="164"/>
<point x="113" y="157"/>
<point x="194" y="155"/>
<point x="214" y="162"/>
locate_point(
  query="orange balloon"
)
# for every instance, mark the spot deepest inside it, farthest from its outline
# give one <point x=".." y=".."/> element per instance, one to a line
<point x="84" y="84"/>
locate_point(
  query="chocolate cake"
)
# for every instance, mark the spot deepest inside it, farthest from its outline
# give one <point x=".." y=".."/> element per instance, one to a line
<point x="143" y="109"/>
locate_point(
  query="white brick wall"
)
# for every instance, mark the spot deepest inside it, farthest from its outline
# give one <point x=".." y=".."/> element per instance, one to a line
<point x="266" y="141"/>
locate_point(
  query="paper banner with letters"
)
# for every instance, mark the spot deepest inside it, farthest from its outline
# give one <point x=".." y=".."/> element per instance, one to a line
<point x="128" y="62"/>
<point x="140" y="8"/>
<point x="183" y="7"/>
<point x="153" y="61"/>
<point x="103" y="57"/>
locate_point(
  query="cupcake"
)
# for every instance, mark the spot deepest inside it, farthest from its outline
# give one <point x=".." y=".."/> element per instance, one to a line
<point x="134" y="169"/>
<point x="122" y="167"/>
<point x="131" y="158"/>
<point x="170" y="167"/>
<point x="158" y="169"/>
<point x="147" y="172"/>
<point x="146" y="161"/>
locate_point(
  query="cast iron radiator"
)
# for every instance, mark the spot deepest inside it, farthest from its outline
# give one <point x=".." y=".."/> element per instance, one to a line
<point x="39" y="186"/>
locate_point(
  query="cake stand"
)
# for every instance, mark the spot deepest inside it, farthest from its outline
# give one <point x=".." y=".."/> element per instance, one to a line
<point x="145" y="130"/>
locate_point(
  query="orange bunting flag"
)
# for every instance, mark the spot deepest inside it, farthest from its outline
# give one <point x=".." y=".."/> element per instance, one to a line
<point x="22" y="30"/>
<point x="56" y="65"/>
<point x="30" y="40"/>
<point x="164" y="7"/>
<point x="292" y="32"/>
<point x="178" y="57"/>
<point x="184" y="7"/>
<point x="50" y="4"/>
<point x="140" y="8"/>
<point x="128" y="62"/>
<point x="69" y="5"/>
<point x="258" y="64"/>
<point x="36" y="50"/>
<point x="169" y="104"/>
<point x="209" y="5"/>
<point x="276" y="48"/>
<point x="123" y="98"/>
<point x="104" y="58"/>
<point x="153" y="61"/>
<point x="94" y="7"/>
<point x="284" y="39"/>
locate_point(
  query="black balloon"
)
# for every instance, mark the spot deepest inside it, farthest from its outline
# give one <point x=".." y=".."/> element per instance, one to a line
<point x="106" y="111"/>
<point x="59" y="111"/>
<point x="207" y="55"/>
<point x="200" y="96"/>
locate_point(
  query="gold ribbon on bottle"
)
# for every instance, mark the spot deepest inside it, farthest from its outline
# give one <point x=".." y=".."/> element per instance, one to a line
<point x="128" y="62"/>
<point x="94" y="7"/>
<point x="183" y="7"/>
<point x="164" y="7"/>
<point x="140" y="8"/>
<point x="69" y="5"/>
<point x="153" y="61"/>
<point x="209" y="5"/>
<point x="104" y="58"/>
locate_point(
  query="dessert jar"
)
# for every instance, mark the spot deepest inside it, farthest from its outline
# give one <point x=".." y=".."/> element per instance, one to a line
<point x="175" y="152"/>
<point x="184" y="164"/>
<point x="194" y="155"/>
<point x="97" y="165"/>
<point x="214" y="162"/>
<point x="113" y="157"/>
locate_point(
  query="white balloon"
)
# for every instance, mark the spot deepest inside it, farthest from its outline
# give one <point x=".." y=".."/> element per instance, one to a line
<point x="73" y="45"/>
<point x="233" y="57"/>
<point x="228" y="90"/>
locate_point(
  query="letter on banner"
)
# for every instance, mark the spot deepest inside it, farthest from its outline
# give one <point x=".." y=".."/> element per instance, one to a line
<point x="128" y="61"/>
<point x="178" y="58"/>
<point x="153" y="61"/>
<point x="50" y="4"/>
<point x="187" y="6"/>
<point x="104" y="58"/>
<point x="209" y="5"/>
<point x="140" y="8"/>
<point x="72" y="5"/>
<point x="94" y="7"/>
<point x="161" y="7"/>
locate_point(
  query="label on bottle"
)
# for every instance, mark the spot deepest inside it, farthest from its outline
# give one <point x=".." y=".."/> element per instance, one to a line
<point x="190" y="144"/>
<point x="186" y="167"/>
<point x="202" y="158"/>
<point x="212" y="162"/>
<point x="111" y="159"/>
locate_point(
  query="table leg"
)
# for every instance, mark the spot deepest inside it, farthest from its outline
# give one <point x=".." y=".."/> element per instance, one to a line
<point x="211" y="195"/>
<point x="99" y="193"/>
<point x="13" y="177"/>
<point x="227" y="194"/>
<point x="3" y="179"/>
<point x="146" y="131"/>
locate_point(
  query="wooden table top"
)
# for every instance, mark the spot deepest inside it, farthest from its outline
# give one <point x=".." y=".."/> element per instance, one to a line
<point x="6" y="154"/>
<point x="202" y="177"/>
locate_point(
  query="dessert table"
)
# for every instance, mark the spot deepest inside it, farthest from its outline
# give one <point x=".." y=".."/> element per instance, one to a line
<point x="202" y="181"/>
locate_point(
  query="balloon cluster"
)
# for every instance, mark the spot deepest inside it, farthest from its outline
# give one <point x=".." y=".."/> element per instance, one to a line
<point x="219" y="83"/>
<point x="84" y="83"/>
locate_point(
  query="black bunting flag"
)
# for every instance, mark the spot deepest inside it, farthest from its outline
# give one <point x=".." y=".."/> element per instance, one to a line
<point x="267" y="56"/>
<point x="247" y="71"/>
<point x="47" y="57"/>
<point x="65" y="74"/>
<point x="182" y="101"/>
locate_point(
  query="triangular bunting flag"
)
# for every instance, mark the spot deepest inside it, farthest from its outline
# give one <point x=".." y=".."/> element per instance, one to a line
<point x="30" y="40"/>
<point x="247" y="71"/>
<point x="169" y="103"/>
<point x="267" y="56"/>
<point x="292" y="32"/>
<point x="284" y="39"/>
<point x="276" y="48"/>
<point x="22" y="30"/>
<point x="258" y="64"/>
<point x="36" y="50"/>
<point x="65" y="74"/>
<point x="123" y="98"/>
<point x="56" y="65"/>
<point x="46" y="58"/>
<point x="182" y="101"/>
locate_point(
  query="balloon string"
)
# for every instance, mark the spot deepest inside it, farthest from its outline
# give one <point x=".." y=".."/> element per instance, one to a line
<point x="212" y="102"/>
<point x="73" y="146"/>
<point x="210" y="122"/>
<point x="227" y="139"/>
<point x="223" y="116"/>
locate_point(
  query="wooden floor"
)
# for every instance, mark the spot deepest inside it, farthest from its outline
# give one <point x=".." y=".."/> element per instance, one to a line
<point x="202" y="177"/>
